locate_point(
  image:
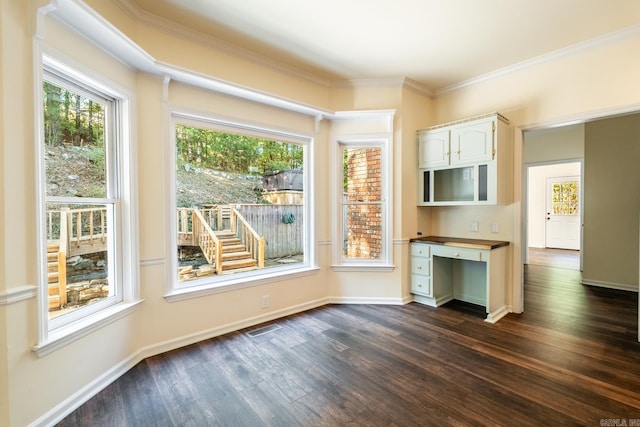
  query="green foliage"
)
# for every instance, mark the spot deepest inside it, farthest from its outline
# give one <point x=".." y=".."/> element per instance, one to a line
<point x="233" y="152"/>
<point x="71" y="118"/>
<point x="97" y="157"/>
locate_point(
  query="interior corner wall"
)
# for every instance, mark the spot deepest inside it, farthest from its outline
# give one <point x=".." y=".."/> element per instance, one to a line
<point x="3" y="159"/>
<point x="417" y="113"/>
<point x="5" y="407"/>
<point x="612" y="202"/>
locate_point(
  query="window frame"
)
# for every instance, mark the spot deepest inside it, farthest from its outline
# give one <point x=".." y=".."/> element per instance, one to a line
<point x="120" y="200"/>
<point x="341" y="261"/>
<point x="178" y="291"/>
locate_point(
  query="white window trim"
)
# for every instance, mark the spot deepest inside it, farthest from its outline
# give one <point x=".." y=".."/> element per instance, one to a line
<point x="385" y="263"/>
<point x="178" y="291"/>
<point x="51" y="339"/>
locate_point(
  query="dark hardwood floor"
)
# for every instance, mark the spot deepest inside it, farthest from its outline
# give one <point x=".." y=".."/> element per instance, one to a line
<point x="561" y="258"/>
<point x="572" y="358"/>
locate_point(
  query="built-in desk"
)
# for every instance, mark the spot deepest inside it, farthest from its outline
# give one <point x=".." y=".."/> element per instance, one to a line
<point x="471" y="270"/>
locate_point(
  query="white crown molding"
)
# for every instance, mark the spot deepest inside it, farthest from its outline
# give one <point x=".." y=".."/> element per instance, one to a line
<point x="418" y="87"/>
<point x="403" y="82"/>
<point x="171" y="27"/>
<point x="596" y="42"/>
<point x="78" y="16"/>
<point x="373" y="82"/>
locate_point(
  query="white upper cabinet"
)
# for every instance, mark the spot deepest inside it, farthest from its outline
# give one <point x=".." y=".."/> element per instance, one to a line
<point x="467" y="162"/>
<point x="473" y="142"/>
<point x="433" y="148"/>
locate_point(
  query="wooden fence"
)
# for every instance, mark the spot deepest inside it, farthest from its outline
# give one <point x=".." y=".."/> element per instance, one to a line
<point x="281" y="225"/>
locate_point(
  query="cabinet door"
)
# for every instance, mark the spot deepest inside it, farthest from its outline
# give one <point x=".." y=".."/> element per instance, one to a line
<point x="433" y="148"/>
<point x="473" y="142"/>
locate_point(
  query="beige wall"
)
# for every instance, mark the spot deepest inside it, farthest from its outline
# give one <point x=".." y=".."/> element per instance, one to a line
<point x="31" y="386"/>
<point x="612" y="201"/>
<point x="15" y="162"/>
<point x="4" y="385"/>
<point x="558" y="143"/>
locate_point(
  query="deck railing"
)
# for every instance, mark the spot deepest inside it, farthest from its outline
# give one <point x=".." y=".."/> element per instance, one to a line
<point x="252" y="241"/>
<point x="82" y="231"/>
<point x="204" y="237"/>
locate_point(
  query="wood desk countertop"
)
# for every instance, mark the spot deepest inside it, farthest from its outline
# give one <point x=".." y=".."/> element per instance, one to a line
<point x="461" y="242"/>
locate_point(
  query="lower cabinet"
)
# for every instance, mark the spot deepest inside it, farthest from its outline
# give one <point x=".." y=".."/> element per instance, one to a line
<point x="421" y="269"/>
<point x="441" y="273"/>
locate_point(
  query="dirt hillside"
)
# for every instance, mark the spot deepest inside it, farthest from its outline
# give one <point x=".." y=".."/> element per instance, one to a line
<point x="78" y="171"/>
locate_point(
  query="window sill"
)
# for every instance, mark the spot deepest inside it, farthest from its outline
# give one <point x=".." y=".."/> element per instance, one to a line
<point x="363" y="267"/>
<point x="72" y="332"/>
<point x="189" y="292"/>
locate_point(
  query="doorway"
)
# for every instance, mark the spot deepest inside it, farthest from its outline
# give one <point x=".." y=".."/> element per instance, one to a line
<point x="554" y="214"/>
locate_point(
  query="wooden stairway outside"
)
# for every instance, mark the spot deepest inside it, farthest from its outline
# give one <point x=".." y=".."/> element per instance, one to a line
<point x="231" y="249"/>
<point x="234" y="254"/>
<point x="56" y="277"/>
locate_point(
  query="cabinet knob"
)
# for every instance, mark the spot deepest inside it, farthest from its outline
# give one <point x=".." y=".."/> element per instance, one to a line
<point x="456" y="255"/>
<point x="419" y="267"/>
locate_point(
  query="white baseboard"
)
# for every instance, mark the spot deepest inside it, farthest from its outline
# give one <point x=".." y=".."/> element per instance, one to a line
<point x="496" y="315"/>
<point x="610" y="285"/>
<point x="360" y="300"/>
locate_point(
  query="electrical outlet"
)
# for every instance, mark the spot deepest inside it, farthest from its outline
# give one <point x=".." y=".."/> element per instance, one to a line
<point x="419" y="233"/>
<point x="265" y="301"/>
<point x="474" y="225"/>
<point x="495" y="228"/>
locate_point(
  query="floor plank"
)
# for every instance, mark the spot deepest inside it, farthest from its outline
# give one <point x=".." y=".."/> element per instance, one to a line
<point x="572" y="358"/>
<point x="550" y="257"/>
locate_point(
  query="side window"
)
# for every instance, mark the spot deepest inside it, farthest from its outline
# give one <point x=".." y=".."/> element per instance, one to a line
<point x="83" y="233"/>
<point x="363" y="219"/>
<point x="240" y="203"/>
<point x="362" y="203"/>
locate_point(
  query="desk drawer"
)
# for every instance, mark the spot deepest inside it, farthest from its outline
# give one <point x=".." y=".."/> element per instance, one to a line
<point x="461" y="253"/>
<point x="420" y="265"/>
<point x="420" y="249"/>
<point x="421" y="285"/>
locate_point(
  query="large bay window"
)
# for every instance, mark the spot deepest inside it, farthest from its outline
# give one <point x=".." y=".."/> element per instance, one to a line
<point x="241" y="204"/>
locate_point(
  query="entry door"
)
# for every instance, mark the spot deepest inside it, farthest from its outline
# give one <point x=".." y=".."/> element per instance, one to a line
<point x="563" y="216"/>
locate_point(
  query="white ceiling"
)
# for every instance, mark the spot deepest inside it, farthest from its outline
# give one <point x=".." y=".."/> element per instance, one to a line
<point x="438" y="43"/>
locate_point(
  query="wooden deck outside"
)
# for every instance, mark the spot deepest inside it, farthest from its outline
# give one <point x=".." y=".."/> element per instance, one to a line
<point x="225" y="237"/>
